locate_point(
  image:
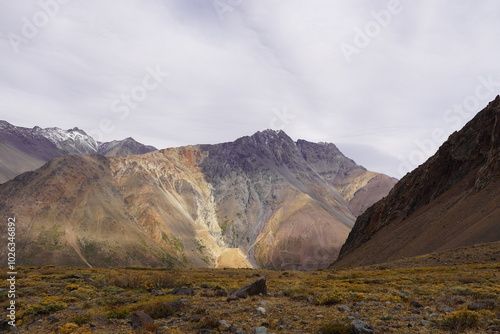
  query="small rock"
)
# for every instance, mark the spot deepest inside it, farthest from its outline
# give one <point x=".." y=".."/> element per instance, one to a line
<point x="260" y="311"/>
<point x="284" y="321"/>
<point x="343" y="308"/>
<point x="360" y="327"/>
<point x="204" y="331"/>
<point x="183" y="291"/>
<point x="53" y="319"/>
<point x="195" y="319"/>
<point x="260" y="330"/>
<point x="426" y="323"/>
<point x="433" y="315"/>
<point x="320" y="316"/>
<point x="140" y="319"/>
<point x="416" y="304"/>
<point x="220" y="292"/>
<point x="77" y="276"/>
<point x="155" y="292"/>
<point x="4" y="325"/>
<point x="481" y="306"/>
<point x="262" y="304"/>
<point x="224" y="325"/>
<point x="446" y="309"/>
<point x="356" y="315"/>
<point x="232" y="298"/>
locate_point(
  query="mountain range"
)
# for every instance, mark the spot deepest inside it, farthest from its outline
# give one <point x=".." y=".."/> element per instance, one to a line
<point x="450" y="201"/>
<point x="261" y="201"/>
<point x="25" y="149"/>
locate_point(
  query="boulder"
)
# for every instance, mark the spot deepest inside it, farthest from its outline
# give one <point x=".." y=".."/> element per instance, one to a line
<point x="140" y="319"/>
<point x="251" y="289"/>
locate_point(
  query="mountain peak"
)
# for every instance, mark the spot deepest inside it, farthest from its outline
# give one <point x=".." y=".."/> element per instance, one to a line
<point x="271" y="135"/>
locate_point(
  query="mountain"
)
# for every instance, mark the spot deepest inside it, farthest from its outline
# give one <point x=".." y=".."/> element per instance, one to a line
<point x="450" y="201"/>
<point x="260" y="201"/>
<point x="25" y="149"/>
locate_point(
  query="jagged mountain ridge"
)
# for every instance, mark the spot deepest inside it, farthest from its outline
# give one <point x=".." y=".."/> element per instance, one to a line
<point x="24" y="149"/>
<point x="261" y="201"/>
<point x="450" y="201"/>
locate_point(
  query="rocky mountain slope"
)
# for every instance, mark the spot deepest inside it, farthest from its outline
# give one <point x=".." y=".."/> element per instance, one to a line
<point x="450" y="201"/>
<point x="25" y="149"/>
<point x="261" y="201"/>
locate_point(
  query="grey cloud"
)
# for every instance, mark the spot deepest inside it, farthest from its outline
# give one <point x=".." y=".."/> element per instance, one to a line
<point x="229" y="76"/>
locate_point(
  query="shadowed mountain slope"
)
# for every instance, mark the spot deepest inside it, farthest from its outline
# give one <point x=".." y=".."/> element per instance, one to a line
<point x="450" y="201"/>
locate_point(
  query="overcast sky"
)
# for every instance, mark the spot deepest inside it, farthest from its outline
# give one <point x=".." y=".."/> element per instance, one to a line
<point x="387" y="81"/>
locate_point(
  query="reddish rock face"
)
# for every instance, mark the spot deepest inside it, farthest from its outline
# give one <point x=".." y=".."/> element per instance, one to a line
<point x="450" y="201"/>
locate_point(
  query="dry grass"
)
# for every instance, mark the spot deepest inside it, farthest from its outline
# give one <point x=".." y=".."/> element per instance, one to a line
<point x="54" y="300"/>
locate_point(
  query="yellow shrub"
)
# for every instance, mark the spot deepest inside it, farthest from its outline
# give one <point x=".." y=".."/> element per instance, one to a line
<point x="331" y="297"/>
<point x="461" y="320"/>
<point x="46" y="306"/>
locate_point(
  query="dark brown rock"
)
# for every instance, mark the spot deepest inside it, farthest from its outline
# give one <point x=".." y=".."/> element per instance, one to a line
<point x="251" y="289"/>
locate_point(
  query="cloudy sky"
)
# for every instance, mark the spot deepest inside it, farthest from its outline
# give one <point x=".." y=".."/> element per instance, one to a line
<point x="387" y="81"/>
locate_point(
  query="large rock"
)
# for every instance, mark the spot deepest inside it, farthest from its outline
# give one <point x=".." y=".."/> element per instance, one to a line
<point x="251" y="289"/>
<point x="140" y="319"/>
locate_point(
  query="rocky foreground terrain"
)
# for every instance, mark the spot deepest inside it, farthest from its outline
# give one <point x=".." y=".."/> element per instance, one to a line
<point x="458" y="298"/>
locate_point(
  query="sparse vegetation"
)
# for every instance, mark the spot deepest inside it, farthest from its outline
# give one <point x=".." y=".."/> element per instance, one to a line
<point x="461" y="320"/>
<point x="47" y="305"/>
<point x="335" y="328"/>
<point x="460" y="299"/>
